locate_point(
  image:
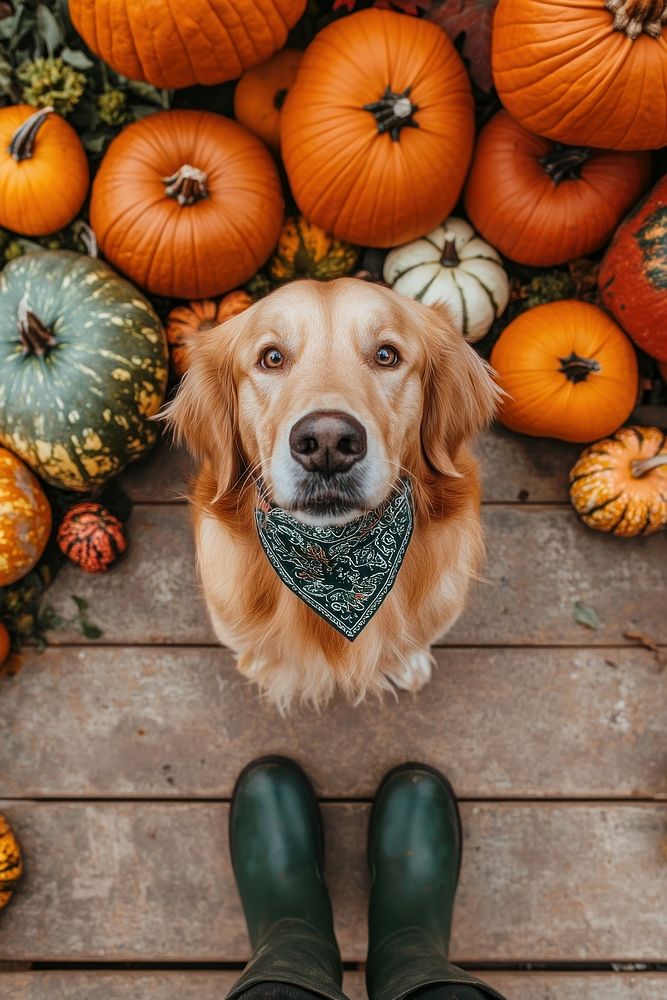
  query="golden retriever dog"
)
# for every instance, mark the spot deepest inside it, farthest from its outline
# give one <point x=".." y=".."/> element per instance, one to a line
<point x="324" y="397"/>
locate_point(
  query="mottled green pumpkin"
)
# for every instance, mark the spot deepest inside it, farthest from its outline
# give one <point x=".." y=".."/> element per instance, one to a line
<point x="83" y="366"/>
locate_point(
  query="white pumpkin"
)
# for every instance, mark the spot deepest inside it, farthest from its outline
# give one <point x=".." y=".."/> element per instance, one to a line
<point x="452" y="266"/>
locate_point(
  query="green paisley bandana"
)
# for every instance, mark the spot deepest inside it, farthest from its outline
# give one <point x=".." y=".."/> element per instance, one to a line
<point x="343" y="572"/>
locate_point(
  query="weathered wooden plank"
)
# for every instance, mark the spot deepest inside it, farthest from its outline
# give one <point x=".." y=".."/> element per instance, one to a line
<point x="194" y="985"/>
<point x="540" y="562"/>
<point x="152" y="882"/>
<point x="161" y="722"/>
<point x="514" y="468"/>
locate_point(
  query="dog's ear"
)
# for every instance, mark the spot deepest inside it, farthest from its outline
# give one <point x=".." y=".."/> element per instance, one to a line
<point x="460" y="396"/>
<point x="204" y="413"/>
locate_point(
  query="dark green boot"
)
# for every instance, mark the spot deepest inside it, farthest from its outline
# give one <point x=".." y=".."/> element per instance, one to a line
<point x="414" y="850"/>
<point x="277" y="847"/>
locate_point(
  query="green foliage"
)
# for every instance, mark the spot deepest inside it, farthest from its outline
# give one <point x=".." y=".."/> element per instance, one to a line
<point x="44" y="62"/>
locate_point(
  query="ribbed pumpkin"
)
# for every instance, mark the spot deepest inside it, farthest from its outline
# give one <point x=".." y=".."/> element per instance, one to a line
<point x="619" y="485"/>
<point x="11" y="862"/>
<point x="91" y="537"/>
<point x="83" y="367"/>
<point x="43" y="171"/>
<point x="453" y="267"/>
<point x="260" y="95"/>
<point x="187" y="204"/>
<point x="569" y="372"/>
<point x="306" y="251"/>
<point x="377" y="130"/>
<point x="633" y="274"/>
<point x="185" y="322"/>
<point x="177" y="45"/>
<point x="25" y="519"/>
<point x="542" y="203"/>
<point x="584" y="72"/>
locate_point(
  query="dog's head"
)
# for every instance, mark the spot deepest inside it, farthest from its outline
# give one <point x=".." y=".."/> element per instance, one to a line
<point x="330" y="392"/>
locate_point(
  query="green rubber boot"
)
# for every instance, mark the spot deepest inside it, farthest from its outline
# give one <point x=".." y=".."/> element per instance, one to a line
<point x="414" y="850"/>
<point x="277" y="846"/>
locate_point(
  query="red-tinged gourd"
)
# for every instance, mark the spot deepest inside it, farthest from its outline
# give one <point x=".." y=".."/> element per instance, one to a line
<point x="584" y="72"/>
<point x="619" y="485"/>
<point x="83" y="368"/>
<point x="452" y="266"/>
<point x="185" y="322"/>
<point x="11" y="862"/>
<point x="260" y="95"/>
<point x="633" y="274"/>
<point x="377" y="130"/>
<point x="305" y="250"/>
<point x="25" y="519"/>
<point x="91" y="537"/>
<point x="43" y="170"/>
<point x="568" y="370"/>
<point x="187" y="204"/>
<point x="178" y="45"/>
<point x="542" y="203"/>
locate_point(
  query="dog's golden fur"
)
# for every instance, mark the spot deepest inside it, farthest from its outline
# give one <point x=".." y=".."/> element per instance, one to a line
<point x="235" y="418"/>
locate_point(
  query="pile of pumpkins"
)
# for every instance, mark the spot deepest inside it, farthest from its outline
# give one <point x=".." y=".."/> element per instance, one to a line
<point x="370" y="136"/>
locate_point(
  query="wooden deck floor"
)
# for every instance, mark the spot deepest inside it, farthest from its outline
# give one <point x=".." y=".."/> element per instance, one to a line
<point x="117" y="760"/>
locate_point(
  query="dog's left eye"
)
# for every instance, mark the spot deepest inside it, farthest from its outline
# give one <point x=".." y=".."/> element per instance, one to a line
<point x="272" y="358"/>
<point x="387" y="356"/>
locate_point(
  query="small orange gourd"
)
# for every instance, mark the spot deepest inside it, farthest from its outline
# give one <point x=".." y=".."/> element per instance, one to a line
<point x="260" y="95"/>
<point x="184" y="322"/>
<point x="568" y="370"/>
<point x="619" y="485"/>
<point x="25" y="518"/>
<point x="43" y="170"/>
<point x="11" y="862"/>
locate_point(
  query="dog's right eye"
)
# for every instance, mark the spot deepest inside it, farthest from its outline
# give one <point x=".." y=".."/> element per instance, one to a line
<point x="272" y="358"/>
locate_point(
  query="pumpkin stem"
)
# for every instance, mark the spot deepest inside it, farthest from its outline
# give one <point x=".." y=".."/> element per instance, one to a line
<point x="450" y="258"/>
<point x="35" y="337"/>
<point x="577" y="369"/>
<point x="22" y="143"/>
<point x="187" y="185"/>
<point x="87" y="236"/>
<point x="564" y="162"/>
<point x="639" y="467"/>
<point x="634" y="17"/>
<point x="393" y="112"/>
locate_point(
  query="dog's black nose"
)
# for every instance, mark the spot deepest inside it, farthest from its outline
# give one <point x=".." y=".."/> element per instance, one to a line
<point x="327" y="441"/>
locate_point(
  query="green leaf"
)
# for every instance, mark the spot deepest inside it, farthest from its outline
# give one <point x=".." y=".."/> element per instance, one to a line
<point x="584" y="614"/>
<point x="76" y="58"/>
<point x="90" y="631"/>
<point x="80" y="602"/>
<point x="146" y="93"/>
<point x="49" y="29"/>
<point x="95" y="143"/>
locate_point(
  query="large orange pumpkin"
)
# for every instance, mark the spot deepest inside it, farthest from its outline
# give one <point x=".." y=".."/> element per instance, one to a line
<point x="584" y="72"/>
<point x="377" y="130"/>
<point x="43" y="170"/>
<point x="633" y="274"/>
<point x="187" y="204"/>
<point x="25" y="519"/>
<point x="569" y="372"/>
<point x="177" y="45"/>
<point x="542" y="203"/>
<point x="260" y="95"/>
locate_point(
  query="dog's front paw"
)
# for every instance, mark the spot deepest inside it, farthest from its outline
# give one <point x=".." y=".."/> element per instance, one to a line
<point x="413" y="673"/>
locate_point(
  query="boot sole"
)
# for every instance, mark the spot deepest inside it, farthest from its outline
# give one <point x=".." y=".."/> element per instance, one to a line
<point x="415" y="766"/>
<point x="285" y="762"/>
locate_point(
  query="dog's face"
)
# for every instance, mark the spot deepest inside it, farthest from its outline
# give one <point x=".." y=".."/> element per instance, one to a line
<point x="329" y="393"/>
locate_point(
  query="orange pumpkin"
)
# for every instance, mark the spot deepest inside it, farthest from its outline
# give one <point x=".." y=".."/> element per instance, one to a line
<point x="541" y="203"/>
<point x="177" y="45"/>
<point x="619" y="485"/>
<point x="260" y="95"/>
<point x="377" y="130"/>
<point x="184" y="322"/>
<point x="43" y="170"/>
<point x="187" y="204"/>
<point x="584" y="72"/>
<point x="11" y="862"/>
<point x="569" y="372"/>
<point x="25" y="519"/>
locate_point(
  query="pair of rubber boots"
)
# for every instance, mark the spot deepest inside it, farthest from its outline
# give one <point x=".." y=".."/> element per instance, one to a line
<point x="414" y="853"/>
